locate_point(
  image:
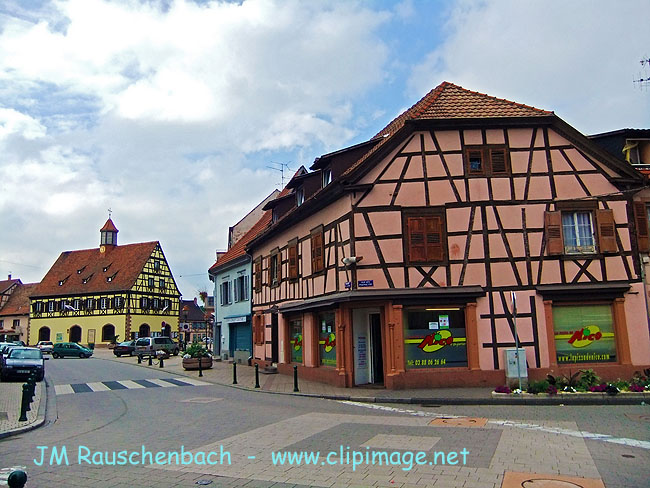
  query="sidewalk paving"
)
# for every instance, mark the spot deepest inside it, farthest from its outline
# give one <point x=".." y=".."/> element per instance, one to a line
<point x="221" y="373"/>
<point x="10" y="398"/>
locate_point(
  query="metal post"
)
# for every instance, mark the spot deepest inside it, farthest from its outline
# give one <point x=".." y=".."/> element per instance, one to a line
<point x="257" y="375"/>
<point x="295" y="379"/>
<point x="162" y="362"/>
<point x="200" y="367"/>
<point x="514" y="324"/>
<point x="150" y="360"/>
<point x="234" y="373"/>
<point x="17" y="479"/>
<point x="24" y="404"/>
<point x="139" y="359"/>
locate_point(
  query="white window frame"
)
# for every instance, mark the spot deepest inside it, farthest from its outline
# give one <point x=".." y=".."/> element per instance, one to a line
<point x="300" y="196"/>
<point x="327" y="177"/>
<point x="579" y="248"/>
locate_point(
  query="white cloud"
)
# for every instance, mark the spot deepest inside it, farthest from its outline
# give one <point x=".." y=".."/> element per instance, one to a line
<point x="14" y="123"/>
<point x="575" y="58"/>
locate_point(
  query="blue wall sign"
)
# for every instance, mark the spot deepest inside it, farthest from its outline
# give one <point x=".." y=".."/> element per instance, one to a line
<point x="366" y="283"/>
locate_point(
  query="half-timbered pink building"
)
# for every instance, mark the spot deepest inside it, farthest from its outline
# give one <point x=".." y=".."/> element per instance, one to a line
<point x="394" y="261"/>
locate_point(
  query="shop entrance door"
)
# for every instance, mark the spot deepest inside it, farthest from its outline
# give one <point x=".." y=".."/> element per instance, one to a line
<point x="368" y="359"/>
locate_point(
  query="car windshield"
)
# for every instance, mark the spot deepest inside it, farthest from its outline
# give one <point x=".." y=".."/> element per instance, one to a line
<point x="25" y="354"/>
<point x="127" y="343"/>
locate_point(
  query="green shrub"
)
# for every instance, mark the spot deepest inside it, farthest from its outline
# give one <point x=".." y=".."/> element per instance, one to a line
<point x="196" y="350"/>
<point x="536" y="387"/>
<point x="588" y="379"/>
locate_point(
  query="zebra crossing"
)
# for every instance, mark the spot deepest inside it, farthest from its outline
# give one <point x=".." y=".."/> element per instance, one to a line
<point x="126" y="385"/>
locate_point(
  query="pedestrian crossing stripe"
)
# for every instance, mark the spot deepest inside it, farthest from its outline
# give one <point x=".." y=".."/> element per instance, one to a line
<point x="126" y="385"/>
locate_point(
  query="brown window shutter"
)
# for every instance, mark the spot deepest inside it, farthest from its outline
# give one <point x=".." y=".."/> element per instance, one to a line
<point x="258" y="275"/>
<point x="553" y="230"/>
<point x="606" y="231"/>
<point x="293" y="261"/>
<point x="417" y="251"/>
<point x="435" y="250"/>
<point x="317" y="252"/>
<point x="498" y="161"/>
<point x="641" y="221"/>
<point x="279" y="266"/>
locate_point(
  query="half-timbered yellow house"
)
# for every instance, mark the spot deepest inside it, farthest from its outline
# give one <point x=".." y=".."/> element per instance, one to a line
<point x="93" y="295"/>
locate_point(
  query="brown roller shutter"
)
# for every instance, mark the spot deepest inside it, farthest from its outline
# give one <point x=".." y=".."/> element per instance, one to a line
<point x="553" y="231"/>
<point x="641" y="221"/>
<point x="293" y="261"/>
<point x="434" y="247"/>
<point x="606" y="231"/>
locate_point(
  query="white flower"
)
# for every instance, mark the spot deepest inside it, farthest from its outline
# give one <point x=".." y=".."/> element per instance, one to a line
<point x="187" y="356"/>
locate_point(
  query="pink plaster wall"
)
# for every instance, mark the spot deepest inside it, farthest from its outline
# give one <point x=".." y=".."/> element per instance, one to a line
<point x="519" y="137"/>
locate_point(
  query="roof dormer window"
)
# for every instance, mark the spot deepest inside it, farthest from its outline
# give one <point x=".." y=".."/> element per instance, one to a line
<point x="110" y="278"/>
<point x="327" y="177"/>
<point x="86" y="279"/>
<point x="300" y="196"/>
<point x="105" y="268"/>
<point x="62" y="282"/>
<point x="81" y="270"/>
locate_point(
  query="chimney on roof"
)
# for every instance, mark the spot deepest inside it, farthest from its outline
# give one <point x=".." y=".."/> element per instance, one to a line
<point x="9" y="276"/>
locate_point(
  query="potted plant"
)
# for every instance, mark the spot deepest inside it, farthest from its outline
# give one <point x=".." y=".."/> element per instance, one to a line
<point x="193" y="354"/>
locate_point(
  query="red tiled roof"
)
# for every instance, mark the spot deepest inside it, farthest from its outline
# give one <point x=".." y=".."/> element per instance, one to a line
<point x="239" y="248"/>
<point x="6" y="284"/>
<point x="194" y="312"/>
<point x="109" y="226"/>
<point x="123" y="263"/>
<point x="449" y="101"/>
<point x="18" y="303"/>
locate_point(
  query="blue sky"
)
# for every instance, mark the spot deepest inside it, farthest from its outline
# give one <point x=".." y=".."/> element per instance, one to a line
<point x="170" y="112"/>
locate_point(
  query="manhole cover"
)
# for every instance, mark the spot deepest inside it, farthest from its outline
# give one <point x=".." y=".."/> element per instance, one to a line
<point x="459" y="422"/>
<point x="201" y="400"/>
<point x="530" y="480"/>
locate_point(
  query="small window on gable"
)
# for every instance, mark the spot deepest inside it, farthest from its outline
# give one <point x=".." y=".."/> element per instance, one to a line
<point x="300" y="196"/>
<point x="156" y="266"/>
<point x="161" y="283"/>
<point x="327" y="177"/>
<point x="487" y="160"/>
<point x="274" y="215"/>
<point x="151" y="282"/>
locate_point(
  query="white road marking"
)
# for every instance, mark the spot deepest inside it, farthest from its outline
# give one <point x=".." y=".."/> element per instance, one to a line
<point x="519" y="425"/>
<point x="131" y="385"/>
<point x="63" y="389"/>
<point x="162" y="383"/>
<point x="194" y="382"/>
<point x="98" y="386"/>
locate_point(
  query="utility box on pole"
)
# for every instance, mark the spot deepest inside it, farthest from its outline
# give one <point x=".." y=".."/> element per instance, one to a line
<point x="512" y="378"/>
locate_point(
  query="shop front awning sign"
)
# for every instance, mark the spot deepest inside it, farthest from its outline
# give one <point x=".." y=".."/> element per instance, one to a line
<point x="236" y="319"/>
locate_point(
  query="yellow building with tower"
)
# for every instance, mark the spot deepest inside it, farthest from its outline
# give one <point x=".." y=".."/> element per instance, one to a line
<point x="91" y="296"/>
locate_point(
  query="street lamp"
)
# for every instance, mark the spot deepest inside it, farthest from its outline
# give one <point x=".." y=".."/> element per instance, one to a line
<point x="184" y="313"/>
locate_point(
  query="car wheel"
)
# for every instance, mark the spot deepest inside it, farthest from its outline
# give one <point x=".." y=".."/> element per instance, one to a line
<point x="82" y="355"/>
<point x="131" y="353"/>
<point x="175" y="352"/>
<point x="118" y="355"/>
<point x="55" y="355"/>
<point x="40" y="377"/>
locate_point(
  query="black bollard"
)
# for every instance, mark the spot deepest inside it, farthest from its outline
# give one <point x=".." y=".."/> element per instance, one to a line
<point x="150" y="360"/>
<point x="139" y="359"/>
<point x="257" y="375"/>
<point x="17" y="479"/>
<point x="24" y="404"/>
<point x="162" y="362"/>
<point x="234" y="373"/>
<point x="295" y="379"/>
<point x="200" y="368"/>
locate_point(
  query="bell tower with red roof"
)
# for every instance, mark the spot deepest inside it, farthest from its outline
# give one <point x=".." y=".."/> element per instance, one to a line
<point x="108" y="234"/>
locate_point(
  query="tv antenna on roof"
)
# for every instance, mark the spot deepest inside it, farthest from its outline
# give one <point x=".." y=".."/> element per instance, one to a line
<point x="643" y="79"/>
<point x="281" y="167"/>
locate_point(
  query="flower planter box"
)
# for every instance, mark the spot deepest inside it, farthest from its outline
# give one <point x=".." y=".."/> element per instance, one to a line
<point x="193" y="363"/>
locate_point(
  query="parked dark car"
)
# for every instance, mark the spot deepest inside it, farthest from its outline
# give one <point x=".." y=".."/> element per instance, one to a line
<point x="124" y="348"/>
<point x="22" y="361"/>
<point x="63" y="349"/>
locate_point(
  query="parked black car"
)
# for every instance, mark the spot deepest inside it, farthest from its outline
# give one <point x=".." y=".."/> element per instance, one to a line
<point x="21" y="361"/>
<point x="124" y="349"/>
